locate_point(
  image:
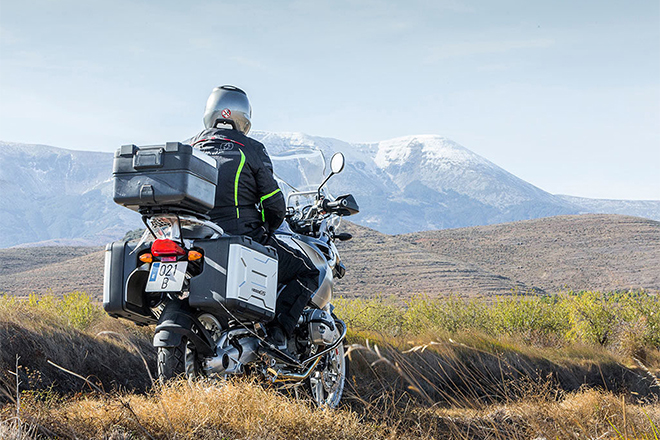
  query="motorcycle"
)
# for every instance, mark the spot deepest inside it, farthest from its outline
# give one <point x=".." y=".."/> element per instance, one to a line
<point x="211" y="295"/>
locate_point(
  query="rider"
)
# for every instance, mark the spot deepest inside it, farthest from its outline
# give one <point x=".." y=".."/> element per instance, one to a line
<point x="249" y="201"/>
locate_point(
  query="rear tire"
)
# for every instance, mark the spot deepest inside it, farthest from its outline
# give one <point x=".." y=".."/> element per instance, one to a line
<point x="179" y="361"/>
<point x="183" y="360"/>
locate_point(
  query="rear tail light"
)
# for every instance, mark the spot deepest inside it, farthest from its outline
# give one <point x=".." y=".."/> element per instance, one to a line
<point x="163" y="247"/>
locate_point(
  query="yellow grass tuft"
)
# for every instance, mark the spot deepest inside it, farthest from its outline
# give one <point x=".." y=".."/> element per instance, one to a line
<point x="200" y="410"/>
<point x="242" y="409"/>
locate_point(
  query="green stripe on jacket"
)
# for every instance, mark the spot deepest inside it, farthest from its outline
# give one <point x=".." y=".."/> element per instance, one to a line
<point x="238" y="175"/>
<point x="261" y="203"/>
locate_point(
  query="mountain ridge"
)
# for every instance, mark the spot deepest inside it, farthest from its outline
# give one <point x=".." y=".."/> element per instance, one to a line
<point x="430" y="182"/>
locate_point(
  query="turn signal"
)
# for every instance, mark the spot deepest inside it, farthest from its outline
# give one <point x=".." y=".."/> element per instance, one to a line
<point x="146" y="258"/>
<point x="163" y="246"/>
<point x="194" y="256"/>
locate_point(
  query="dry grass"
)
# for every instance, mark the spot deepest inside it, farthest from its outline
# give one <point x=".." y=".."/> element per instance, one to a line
<point x="434" y="391"/>
<point x="243" y="409"/>
<point x="581" y="415"/>
<point x="427" y="384"/>
<point x="15" y="430"/>
<point x="201" y="410"/>
<point x="65" y="331"/>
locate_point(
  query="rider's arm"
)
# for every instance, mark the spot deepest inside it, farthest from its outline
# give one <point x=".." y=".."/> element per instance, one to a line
<point x="271" y="198"/>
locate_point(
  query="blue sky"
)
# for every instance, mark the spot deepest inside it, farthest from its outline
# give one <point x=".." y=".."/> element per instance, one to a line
<point x="565" y="95"/>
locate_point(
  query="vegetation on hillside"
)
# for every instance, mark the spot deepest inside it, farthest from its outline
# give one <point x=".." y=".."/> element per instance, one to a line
<point x="627" y="323"/>
<point x="516" y="368"/>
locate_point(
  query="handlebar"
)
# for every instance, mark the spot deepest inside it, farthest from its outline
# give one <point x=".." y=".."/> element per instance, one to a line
<point x="307" y="217"/>
<point x="328" y="206"/>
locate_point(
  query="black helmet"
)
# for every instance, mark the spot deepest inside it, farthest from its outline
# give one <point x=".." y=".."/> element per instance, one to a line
<point x="228" y="105"/>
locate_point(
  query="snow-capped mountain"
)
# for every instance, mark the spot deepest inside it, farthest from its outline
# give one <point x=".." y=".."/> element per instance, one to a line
<point x="417" y="183"/>
<point x="52" y="193"/>
<point x="402" y="185"/>
<point x="637" y="208"/>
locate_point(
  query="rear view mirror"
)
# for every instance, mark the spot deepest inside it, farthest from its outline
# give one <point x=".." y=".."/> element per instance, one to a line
<point x="336" y="166"/>
<point x="337" y="163"/>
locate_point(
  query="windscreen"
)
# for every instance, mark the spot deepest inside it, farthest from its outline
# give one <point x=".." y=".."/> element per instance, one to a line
<point x="299" y="169"/>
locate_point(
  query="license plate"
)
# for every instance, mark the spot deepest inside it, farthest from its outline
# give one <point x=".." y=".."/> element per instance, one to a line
<point x="166" y="277"/>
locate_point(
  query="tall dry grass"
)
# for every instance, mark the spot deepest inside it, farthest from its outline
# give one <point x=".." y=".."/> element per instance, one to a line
<point x="433" y="391"/>
<point x="66" y="331"/>
<point x="518" y="367"/>
<point x="199" y="410"/>
<point x="450" y="378"/>
<point x="248" y="410"/>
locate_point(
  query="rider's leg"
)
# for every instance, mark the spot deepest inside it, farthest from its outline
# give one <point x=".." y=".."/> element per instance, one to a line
<point x="301" y="277"/>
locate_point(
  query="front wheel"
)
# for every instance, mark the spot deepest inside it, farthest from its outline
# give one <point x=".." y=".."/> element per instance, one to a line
<point x="327" y="380"/>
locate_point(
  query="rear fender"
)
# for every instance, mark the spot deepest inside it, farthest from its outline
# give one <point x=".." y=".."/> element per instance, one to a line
<point x="176" y="321"/>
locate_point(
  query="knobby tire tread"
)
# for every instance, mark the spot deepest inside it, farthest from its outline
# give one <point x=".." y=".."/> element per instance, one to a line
<point x="172" y="361"/>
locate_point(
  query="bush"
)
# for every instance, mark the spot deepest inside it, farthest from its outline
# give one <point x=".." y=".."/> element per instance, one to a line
<point x="75" y="309"/>
<point x="629" y="320"/>
<point x="541" y="320"/>
<point x="450" y="315"/>
<point x="593" y="316"/>
<point x="379" y="315"/>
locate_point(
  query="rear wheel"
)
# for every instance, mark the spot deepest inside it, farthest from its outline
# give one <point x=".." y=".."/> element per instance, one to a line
<point x="183" y="360"/>
<point x="173" y="361"/>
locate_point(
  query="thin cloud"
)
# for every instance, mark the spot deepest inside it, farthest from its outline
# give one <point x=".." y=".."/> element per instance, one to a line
<point x="248" y="62"/>
<point x="465" y="49"/>
<point x="8" y="38"/>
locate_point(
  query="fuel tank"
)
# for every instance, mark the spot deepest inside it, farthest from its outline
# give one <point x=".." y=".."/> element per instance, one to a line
<point x="322" y="257"/>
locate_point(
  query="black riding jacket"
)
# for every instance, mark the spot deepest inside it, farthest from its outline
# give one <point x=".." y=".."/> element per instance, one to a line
<point x="248" y="200"/>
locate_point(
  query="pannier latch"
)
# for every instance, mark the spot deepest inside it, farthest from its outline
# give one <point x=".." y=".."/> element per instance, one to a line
<point x="147" y="194"/>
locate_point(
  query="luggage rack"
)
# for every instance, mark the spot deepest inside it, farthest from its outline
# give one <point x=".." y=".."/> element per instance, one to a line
<point x="178" y="219"/>
<point x="148" y="211"/>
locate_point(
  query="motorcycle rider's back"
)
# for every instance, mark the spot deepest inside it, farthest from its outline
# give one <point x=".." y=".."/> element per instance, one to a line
<point x="245" y="180"/>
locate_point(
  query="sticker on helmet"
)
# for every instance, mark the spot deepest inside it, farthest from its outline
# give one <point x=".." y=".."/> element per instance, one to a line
<point x="226" y="113"/>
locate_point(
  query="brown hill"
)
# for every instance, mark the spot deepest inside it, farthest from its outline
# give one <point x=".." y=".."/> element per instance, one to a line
<point x="44" y="271"/>
<point x="15" y="260"/>
<point x="604" y="252"/>
<point x="379" y="264"/>
<point x="594" y="251"/>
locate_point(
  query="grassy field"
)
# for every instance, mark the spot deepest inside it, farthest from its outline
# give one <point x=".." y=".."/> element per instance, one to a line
<point x="576" y="365"/>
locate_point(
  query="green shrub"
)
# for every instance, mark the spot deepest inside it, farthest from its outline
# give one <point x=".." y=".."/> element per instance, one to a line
<point x="450" y="315"/>
<point x="535" y="319"/>
<point x="627" y="320"/>
<point x="379" y="315"/>
<point x="75" y="309"/>
<point x="593" y="316"/>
